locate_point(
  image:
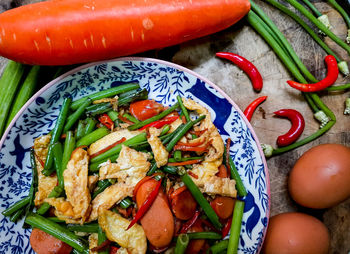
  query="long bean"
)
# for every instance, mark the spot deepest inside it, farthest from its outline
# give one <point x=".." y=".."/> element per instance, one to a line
<point x="183" y="109"/>
<point x="56" y="133"/>
<point x="56" y="230"/>
<point x="285" y="42"/>
<point x="76" y="115"/>
<point x="106" y="93"/>
<point x="92" y="137"/>
<point x="69" y="145"/>
<point x="342" y="12"/>
<point x="306" y="27"/>
<point x="201" y="200"/>
<point x="312" y="8"/>
<point x="115" y="150"/>
<point x="170" y="170"/>
<point x="154" y="118"/>
<point x="16" y="206"/>
<point x="25" y="92"/>
<point x="182" y="132"/>
<point x="9" y="83"/>
<point x="338" y="88"/>
<point x="94" y="110"/>
<point x="185" y="159"/>
<point x="204" y="235"/>
<point x="319" y="24"/>
<point x="56" y="192"/>
<point x="88" y="228"/>
<point x="15" y="216"/>
<point x="81" y="129"/>
<point x="113" y="115"/>
<point x="58" y="156"/>
<point x="90" y="125"/>
<point x="131" y="118"/>
<point x="181" y="243"/>
<point x="241" y="190"/>
<point x="235" y="230"/>
<point x="125" y="203"/>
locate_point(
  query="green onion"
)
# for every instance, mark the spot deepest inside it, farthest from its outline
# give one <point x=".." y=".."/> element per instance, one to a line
<point x="219" y="247"/>
<point x="182" y="132"/>
<point x="312" y="8"/>
<point x="15" y="207"/>
<point x="183" y="108"/>
<point x="55" y="219"/>
<point x="130" y="118"/>
<point x="76" y="115"/>
<point x="69" y="145"/>
<point x="154" y="118"/>
<point x="201" y="200"/>
<point x="55" y="135"/>
<point x="56" y="192"/>
<point x="181" y="243"/>
<point x="80" y="129"/>
<point x="204" y="235"/>
<point x="14" y="217"/>
<point x="93" y="136"/>
<point x="131" y="96"/>
<point x="125" y="203"/>
<point x="102" y="238"/>
<point x="235" y="230"/>
<point x="97" y="109"/>
<point x="90" y="125"/>
<point x="169" y="169"/>
<point x="242" y="192"/>
<point x="56" y="230"/>
<point x="58" y="155"/>
<point x="102" y="185"/>
<point x="106" y="93"/>
<point x="25" y="92"/>
<point x="115" y="150"/>
<point x="88" y="228"/>
<point x="9" y="83"/>
<point x="177" y="155"/>
<point x="113" y="115"/>
<point x="185" y="159"/>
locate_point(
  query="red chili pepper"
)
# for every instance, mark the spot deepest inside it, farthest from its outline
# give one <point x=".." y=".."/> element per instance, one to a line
<point x="248" y="112"/>
<point x="295" y="131"/>
<point x="192" y="174"/>
<point x="246" y="66"/>
<point x="113" y="250"/>
<point x="107" y="148"/>
<point x="226" y="228"/>
<point x="160" y="123"/>
<point x="182" y="163"/>
<point x="188" y="224"/>
<point x="106" y="121"/>
<point x="146" y="205"/>
<point x="332" y="75"/>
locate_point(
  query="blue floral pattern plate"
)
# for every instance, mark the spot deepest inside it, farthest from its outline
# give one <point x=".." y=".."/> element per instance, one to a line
<point x="164" y="81"/>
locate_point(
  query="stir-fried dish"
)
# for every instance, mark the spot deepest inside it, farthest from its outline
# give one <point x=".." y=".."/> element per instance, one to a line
<point x="121" y="173"/>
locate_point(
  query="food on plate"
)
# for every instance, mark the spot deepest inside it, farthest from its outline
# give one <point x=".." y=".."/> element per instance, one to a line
<point x="295" y="233"/>
<point x="154" y="174"/>
<point x="320" y="178"/>
<point x="77" y="31"/>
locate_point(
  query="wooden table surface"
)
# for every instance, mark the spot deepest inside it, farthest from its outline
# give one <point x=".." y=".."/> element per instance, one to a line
<point x="199" y="56"/>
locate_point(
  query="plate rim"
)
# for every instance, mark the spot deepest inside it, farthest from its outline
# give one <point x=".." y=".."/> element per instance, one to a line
<point x="166" y="63"/>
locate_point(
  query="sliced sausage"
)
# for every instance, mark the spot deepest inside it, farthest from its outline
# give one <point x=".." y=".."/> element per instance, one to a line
<point x="43" y="243"/>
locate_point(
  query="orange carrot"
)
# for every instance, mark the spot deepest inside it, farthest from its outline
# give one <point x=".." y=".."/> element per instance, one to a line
<point x="76" y="31"/>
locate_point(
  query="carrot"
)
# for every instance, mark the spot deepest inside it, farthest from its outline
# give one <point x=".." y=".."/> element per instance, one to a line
<point x="76" y="31"/>
<point x="158" y="221"/>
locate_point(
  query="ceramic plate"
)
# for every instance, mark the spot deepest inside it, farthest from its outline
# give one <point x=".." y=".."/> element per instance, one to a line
<point x="164" y="81"/>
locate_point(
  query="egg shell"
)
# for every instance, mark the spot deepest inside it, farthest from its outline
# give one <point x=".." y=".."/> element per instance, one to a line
<point x="321" y="177"/>
<point x="296" y="233"/>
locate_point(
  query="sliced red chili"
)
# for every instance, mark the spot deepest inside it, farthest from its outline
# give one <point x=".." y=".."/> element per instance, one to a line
<point x="160" y="123"/>
<point x="246" y="66"/>
<point x="332" y="75"/>
<point x="107" y="148"/>
<point x="226" y="228"/>
<point x="182" y="163"/>
<point x="146" y="205"/>
<point x="106" y="121"/>
<point x="249" y="111"/>
<point x="188" y="224"/>
<point x="297" y="128"/>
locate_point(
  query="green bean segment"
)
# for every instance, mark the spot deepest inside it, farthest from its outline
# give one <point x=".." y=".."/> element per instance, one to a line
<point x="76" y="115"/>
<point x="93" y="136"/>
<point x="15" y="207"/>
<point x="235" y="231"/>
<point x="88" y="228"/>
<point x="181" y="243"/>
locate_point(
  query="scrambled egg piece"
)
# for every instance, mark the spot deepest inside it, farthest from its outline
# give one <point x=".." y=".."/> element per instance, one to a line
<point x="130" y="168"/>
<point x="159" y="151"/>
<point x="206" y="171"/>
<point x="76" y="183"/>
<point x="216" y="148"/>
<point x="45" y="183"/>
<point x="111" y="139"/>
<point x="114" y="225"/>
<point x="64" y="210"/>
<point x="92" y="180"/>
<point x="110" y="196"/>
<point x="93" y="243"/>
<point x="174" y="125"/>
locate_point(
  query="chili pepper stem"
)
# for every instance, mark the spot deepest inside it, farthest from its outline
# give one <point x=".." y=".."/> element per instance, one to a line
<point x="347" y="107"/>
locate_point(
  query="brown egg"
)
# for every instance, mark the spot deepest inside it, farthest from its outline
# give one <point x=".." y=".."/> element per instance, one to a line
<point x="321" y="176"/>
<point x="296" y="233"/>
